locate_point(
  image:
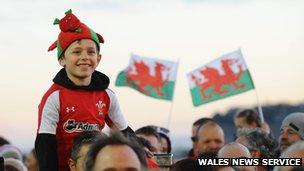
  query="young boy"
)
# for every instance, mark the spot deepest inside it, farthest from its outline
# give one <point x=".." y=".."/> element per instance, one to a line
<point x="79" y="100"/>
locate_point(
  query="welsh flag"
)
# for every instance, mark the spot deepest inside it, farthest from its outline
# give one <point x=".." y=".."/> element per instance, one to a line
<point x="150" y="76"/>
<point x="226" y="76"/>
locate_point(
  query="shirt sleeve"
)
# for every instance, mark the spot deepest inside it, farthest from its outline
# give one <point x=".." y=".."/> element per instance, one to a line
<point x="45" y="143"/>
<point x="46" y="151"/>
<point x="49" y="114"/>
<point x="115" y="115"/>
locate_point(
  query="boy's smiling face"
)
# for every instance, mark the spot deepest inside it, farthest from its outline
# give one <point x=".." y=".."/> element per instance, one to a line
<point x="80" y="60"/>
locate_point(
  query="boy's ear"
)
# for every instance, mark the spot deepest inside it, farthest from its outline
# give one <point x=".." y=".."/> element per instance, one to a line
<point x="62" y="61"/>
<point x="99" y="58"/>
<point x="72" y="165"/>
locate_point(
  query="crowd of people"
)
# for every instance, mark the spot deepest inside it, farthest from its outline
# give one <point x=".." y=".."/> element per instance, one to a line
<point x="150" y="147"/>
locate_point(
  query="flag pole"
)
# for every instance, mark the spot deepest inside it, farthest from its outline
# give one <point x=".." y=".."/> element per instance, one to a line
<point x="170" y="114"/>
<point x="171" y="106"/>
<point x="261" y="115"/>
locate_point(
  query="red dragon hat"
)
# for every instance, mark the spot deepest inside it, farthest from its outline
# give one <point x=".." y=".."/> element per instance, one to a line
<point x="71" y="30"/>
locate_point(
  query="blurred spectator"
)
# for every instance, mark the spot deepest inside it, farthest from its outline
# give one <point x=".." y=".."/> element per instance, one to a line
<point x="292" y="130"/>
<point x="236" y="150"/>
<point x="183" y="165"/>
<point x="226" y="168"/>
<point x="81" y="147"/>
<point x="164" y="139"/>
<point x="259" y="143"/>
<point x="249" y="118"/>
<point x="115" y="153"/>
<point x="210" y="137"/>
<point x="147" y="148"/>
<point x="3" y="141"/>
<point x="208" y="155"/>
<point x="10" y="151"/>
<point x="1" y="163"/>
<point x="165" y="143"/>
<point x="11" y="164"/>
<point x="297" y="168"/>
<point x="31" y="161"/>
<point x="194" y="131"/>
<point x="150" y="134"/>
<point x="296" y="150"/>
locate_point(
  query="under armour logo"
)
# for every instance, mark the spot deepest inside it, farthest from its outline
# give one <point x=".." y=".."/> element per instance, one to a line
<point x="70" y="109"/>
<point x="100" y="105"/>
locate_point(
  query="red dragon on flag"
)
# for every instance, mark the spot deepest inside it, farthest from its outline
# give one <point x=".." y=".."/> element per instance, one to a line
<point x="143" y="77"/>
<point x="214" y="79"/>
<point x="150" y="76"/>
<point x="225" y="76"/>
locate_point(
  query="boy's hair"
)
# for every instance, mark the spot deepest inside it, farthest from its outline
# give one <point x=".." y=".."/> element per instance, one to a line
<point x="114" y="139"/>
<point x="79" y="41"/>
<point x="84" y="138"/>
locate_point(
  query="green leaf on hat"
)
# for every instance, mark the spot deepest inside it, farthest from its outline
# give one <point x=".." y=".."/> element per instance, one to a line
<point x="56" y="21"/>
<point x="68" y="12"/>
<point x="78" y="30"/>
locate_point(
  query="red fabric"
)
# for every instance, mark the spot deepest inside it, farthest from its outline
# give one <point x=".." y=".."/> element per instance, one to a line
<point x="66" y="38"/>
<point x="83" y="116"/>
<point x="151" y="163"/>
<point x="69" y="23"/>
<point x="53" y="88"/>
<point x="71" y="30"/>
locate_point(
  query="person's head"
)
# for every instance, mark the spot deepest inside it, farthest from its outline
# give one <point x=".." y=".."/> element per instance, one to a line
<point x="11" y="164"/>
<point x="292" y="130"/>
<point x="247" y="118"/>
<point x="10" y="151"/>
<point x="150" y="134"/>
<point x="210" y="138"/>
<point x="146" y="145"/>
<point x="259" y="143"/>
<point x="31" y="161"/>
<point x="80" y="60"/>
<point x="297" y="168"/>
<point x="3" y="141"/>
<point x="236" y="150"/>
<point x="195" y="127"/>
<point x="296" y="150"/>
<point x="184" y="164"/>
<point x="77" y="49"/>
<point x="165" y="141"/>
<point x="115" y="153"/>
<point x="208" y="155"/>
<point x="81" y="147"/>
<point x="194" y="131"/>
<point x="226" y="168"/>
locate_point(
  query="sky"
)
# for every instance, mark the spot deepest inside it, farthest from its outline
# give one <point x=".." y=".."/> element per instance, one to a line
<point x="193" y="32"/>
